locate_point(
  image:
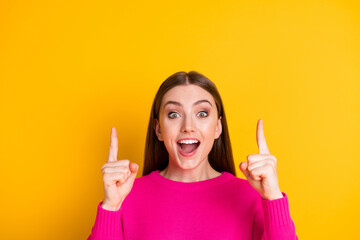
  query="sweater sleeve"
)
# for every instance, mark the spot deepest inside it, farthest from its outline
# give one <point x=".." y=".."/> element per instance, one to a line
<point x="107" y="225"/>
<point x="274" y="221"/>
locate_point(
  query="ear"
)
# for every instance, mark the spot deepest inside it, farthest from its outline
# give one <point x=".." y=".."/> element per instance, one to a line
<point x="158" y="130"/>
<point x="218" y="128"/>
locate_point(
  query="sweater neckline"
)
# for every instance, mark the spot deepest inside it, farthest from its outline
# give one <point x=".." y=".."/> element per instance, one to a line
<point x="190" y="185"/>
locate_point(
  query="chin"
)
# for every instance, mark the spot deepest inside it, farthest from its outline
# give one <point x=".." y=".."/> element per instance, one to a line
<point x="188" y="164"/>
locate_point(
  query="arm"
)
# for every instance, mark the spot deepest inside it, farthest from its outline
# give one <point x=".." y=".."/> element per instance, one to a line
<point x="273" y="221"/>
<point x="108" y="225"/>
<point x="118" y="178"/>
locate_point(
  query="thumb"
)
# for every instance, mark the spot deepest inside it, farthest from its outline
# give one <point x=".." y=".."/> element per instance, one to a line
<point x="243" y="167"/>
<point x="134" y="168"/>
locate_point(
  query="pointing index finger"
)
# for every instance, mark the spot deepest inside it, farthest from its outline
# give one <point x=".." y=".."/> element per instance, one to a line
<point x="113" y="149"/>
<point x="260" y="138"/>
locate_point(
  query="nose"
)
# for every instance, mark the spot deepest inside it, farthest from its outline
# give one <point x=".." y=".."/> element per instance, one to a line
<point x="188" y="125"/>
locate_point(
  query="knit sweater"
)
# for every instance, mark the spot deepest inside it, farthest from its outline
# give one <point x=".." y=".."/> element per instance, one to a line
<point x="220" y="208"/>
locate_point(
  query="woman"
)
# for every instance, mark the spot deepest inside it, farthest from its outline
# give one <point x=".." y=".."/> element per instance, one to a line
<point x="189" y="188"/>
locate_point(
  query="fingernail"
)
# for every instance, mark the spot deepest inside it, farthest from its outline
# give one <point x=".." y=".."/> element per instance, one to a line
<point x="114" y="131"/>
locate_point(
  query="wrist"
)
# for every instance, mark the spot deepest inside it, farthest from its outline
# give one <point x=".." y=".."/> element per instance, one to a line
<point x="273" y="196"/>
<point x="109" y="207"/>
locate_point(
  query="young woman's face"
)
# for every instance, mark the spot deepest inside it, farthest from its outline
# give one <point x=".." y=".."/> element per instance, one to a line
<point x="188" y="125"/>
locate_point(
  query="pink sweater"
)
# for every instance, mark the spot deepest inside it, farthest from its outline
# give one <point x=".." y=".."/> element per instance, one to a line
<point x="224" y="207"/>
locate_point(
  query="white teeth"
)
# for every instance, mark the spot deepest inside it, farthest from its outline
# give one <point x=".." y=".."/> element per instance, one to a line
<point x="188" y="141"/>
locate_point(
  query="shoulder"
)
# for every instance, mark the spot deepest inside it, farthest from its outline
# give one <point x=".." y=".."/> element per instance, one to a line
<point x="242" y="187"/>
<point x="142" y="186"/>
<point x="143" y="181"/>
<point x="146" y="183"/>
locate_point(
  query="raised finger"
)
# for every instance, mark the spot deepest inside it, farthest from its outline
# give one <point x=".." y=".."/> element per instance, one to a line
<point x="260" y="138"/>
<point x="113" y="149"/>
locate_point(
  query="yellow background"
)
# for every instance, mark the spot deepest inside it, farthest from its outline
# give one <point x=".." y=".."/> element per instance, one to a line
<point x="70" y="70"/>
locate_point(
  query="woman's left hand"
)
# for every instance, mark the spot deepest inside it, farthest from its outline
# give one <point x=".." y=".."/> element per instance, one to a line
<point x="260" y="169"/>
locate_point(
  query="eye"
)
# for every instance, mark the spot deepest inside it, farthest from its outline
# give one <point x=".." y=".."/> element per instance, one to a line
<point x="173" y="115"/>
<point x="203" y="114"/>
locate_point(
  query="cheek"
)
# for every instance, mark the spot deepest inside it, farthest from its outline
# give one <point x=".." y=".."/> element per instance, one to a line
<point x="169" y="130"/>
<point x="208" y="128"/>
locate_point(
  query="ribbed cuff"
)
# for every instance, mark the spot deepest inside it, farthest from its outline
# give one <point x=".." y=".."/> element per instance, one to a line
<point x="107" y="224"/>
<point x="276" y="212"/>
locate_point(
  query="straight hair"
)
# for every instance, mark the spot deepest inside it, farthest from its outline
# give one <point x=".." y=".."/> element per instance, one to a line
<point x="156" y="155"/>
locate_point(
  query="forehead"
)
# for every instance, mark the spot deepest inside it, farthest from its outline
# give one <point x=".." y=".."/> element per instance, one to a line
<point x="187" y="94"/>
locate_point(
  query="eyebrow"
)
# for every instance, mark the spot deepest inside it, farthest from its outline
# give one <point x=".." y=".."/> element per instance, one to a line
<point x="179" y="104"/>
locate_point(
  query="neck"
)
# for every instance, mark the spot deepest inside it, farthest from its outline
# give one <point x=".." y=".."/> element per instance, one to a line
<point x="200" y="173"/>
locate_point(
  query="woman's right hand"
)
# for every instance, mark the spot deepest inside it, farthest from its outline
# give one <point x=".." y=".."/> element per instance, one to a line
<point x="118" y="177"/>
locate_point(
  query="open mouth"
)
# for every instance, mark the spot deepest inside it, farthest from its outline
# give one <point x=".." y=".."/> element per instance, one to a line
<point x="188" y="147"/>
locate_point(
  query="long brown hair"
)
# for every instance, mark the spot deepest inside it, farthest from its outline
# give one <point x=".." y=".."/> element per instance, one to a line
<point x="156" y="155"/>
